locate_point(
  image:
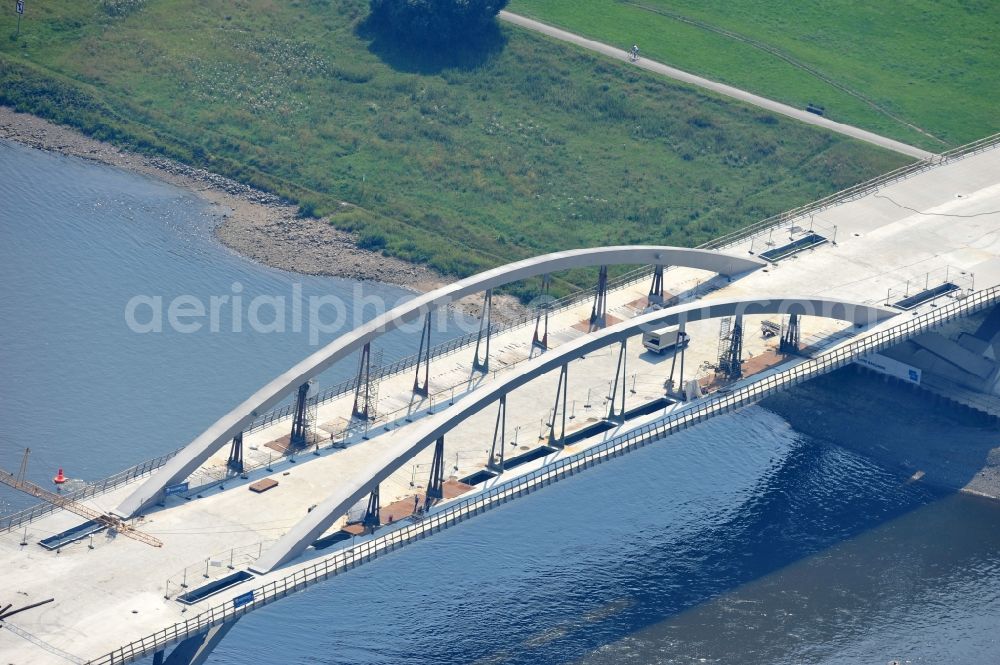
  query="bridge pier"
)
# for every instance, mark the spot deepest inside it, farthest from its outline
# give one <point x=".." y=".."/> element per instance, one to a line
<point x="299" y="422"/>
<point x="618" y="417"/>
<point x="195" y="650"/>
<point x="236" y="454"/>
<point x="599" y="312"/>
<point x="484" y="320"/>
<point x="424" y="360"/>
<point x="542" y="341"/>
<point x="561" y="389"/>
<point x="499" y="435"/>
<point x="435" y="484"/>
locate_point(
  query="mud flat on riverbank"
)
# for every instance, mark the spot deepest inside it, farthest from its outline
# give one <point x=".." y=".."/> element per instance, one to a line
<point x="901" y="427"/>
<point x="256" y="224"/>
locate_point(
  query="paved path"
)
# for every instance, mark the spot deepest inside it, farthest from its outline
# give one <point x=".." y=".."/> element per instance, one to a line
<point x="720" y="88"/>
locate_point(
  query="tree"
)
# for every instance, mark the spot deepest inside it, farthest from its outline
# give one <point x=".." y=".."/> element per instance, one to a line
<point x="436" y="22"/>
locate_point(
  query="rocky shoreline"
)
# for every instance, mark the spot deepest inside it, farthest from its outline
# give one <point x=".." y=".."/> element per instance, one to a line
<point x="255" y="224"/>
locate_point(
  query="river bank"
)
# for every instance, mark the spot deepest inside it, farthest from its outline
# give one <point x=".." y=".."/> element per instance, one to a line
<point x="255" y="224"/>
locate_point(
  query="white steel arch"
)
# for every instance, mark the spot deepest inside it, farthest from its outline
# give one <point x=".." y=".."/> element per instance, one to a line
<point x="400" y="446"/>
<point x="182" y="465"/>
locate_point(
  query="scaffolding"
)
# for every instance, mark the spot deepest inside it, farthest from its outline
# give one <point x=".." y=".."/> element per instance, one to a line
<point x="730" y="358"/>
<point x="790" y="335"/>
<point x="366" y="390"/>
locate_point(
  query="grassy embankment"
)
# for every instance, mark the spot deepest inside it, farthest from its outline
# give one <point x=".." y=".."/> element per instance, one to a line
<point x="464" y="164"/>
<point x="931" y="63"/>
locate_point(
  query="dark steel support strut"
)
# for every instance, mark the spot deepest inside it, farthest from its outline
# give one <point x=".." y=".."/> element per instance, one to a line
<point x="790" y="337"/>
<point x="683" y="348"/>
<point x="561" y="388"/>
<point x="656" y="288"/>
<point x="619" y="415"/>
<point x="299" y="423"/>
<point x="435" y="484"/>
<point x="424" y="360"/>
<point x="542" y="320"/>
<point x="484" y="323"/>
<point x="499" y="438"/>
<point x="733" y="363"/>
<point x="236" y="454"/>
<point x="678" y="389"/>
<point x="362" y="391"/>
<point x="371" y="520"/>
<point x="599" y="312"/>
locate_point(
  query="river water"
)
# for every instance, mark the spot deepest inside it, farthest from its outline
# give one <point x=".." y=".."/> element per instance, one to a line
<point x="740" y="541"/>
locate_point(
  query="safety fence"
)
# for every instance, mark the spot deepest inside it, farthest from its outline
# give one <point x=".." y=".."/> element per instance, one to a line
<point x="851" y="193"/>
<point x="15" y="520"/>
<point x="214" y="566"/>
<point x="449" y="515"/>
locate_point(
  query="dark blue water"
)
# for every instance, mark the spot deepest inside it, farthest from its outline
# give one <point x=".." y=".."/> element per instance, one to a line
<point x="741" y="541"/>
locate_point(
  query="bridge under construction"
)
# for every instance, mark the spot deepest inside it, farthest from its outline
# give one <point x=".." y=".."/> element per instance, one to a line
<point x="301" y="482"/>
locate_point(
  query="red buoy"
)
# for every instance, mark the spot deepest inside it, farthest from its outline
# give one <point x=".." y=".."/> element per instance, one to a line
<point x="60" y="478"/>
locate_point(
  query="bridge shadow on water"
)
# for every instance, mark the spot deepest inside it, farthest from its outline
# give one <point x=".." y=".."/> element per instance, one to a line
<point x="640" y="541"/>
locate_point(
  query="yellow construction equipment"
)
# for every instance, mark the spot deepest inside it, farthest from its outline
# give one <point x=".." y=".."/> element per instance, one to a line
<point x="112" y="522"/>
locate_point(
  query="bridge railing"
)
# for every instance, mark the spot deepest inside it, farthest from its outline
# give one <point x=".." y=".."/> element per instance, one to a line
<point x="851" y="193"/>
<point x="445" y="348"/>
<point x="27" y="515"/>
<point x="15" y="520"/>
<point x="452" y="514"/>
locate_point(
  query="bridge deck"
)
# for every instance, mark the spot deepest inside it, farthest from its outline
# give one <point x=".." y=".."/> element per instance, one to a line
<point x="114" y="593"/>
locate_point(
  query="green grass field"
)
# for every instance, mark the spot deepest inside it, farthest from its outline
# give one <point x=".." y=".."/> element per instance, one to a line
<point x="929" y="64"/>
<point x="461" y="162"/>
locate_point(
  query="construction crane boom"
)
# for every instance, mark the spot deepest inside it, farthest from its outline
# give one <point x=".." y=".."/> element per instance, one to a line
<point x="19" y="482"/>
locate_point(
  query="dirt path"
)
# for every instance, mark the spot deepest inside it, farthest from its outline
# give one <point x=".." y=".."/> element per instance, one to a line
<point x="778" y="53"/>
<point x="720" y="88"/>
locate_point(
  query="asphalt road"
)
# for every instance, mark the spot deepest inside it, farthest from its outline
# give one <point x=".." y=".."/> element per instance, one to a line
<point x="720" y="88"/>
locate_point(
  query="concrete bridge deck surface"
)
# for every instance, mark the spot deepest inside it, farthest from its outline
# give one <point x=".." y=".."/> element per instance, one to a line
<point x="945" y="220"/>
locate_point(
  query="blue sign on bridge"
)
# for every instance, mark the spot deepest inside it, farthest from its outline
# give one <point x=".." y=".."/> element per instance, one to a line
<point x="175" y="489"/>
<point x="243" y="599"/>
